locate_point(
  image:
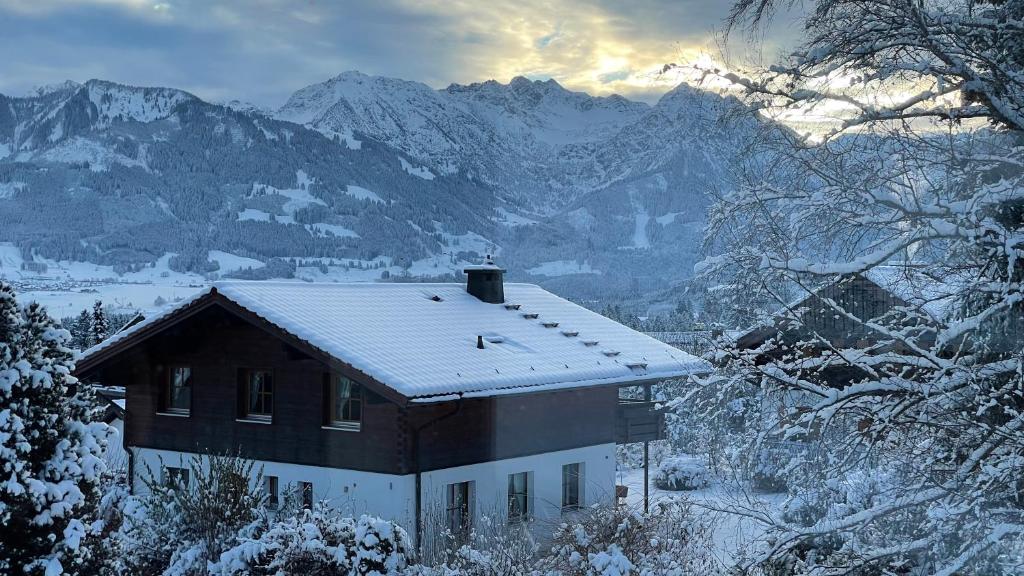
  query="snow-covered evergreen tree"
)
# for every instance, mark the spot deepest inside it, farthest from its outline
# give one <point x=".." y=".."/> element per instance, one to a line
<point x="100" y="327"/>
<point x="81" y="330"/>
<point x="50" y="446"/>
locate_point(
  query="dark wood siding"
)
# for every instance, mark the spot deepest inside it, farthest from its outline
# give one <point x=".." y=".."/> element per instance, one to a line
<point x="483" y="429"/>
<point x="215" y="343"/>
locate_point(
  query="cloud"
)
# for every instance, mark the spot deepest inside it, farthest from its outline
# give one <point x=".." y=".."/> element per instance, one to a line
<point x="263" y="50"/>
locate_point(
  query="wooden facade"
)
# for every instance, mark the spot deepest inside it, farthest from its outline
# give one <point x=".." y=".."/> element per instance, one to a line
<point x="856" y="294"/>
<point x="218" y="341"/>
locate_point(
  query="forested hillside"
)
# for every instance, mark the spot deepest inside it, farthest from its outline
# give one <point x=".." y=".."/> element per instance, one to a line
<point x="122" y="176"/>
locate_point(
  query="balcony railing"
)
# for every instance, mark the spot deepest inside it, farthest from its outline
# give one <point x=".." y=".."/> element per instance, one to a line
<point x="638" y="421"/>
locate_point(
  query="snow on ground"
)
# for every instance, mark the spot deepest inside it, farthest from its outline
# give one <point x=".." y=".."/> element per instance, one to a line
<point x="666" y="219"/>
<point x="253" y="214"/>
<point x="420" y="171"/>
<point x="10" y="258"/>
<point x="83" y="150"/>
<point x="298" y="197"/>
<point x="346" y="270"/>
<point x="469" y="242"/>
<point x="562" y="268"/>
<point x="362" y="193"/>
<point x="123" y="297"/>
<point x="640" y="218"/>
<point x="731" y="532"/>
<point x="8" y="189"/>
<point x="511" y="219"/>
<point x="67" y="288"/>
<point x="580" y="219"/>
<point x="339" y="231"/>
<point x="229" y="262"/>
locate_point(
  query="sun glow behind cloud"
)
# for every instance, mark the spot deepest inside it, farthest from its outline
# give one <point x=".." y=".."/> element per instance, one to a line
<point x="262" y="50"/>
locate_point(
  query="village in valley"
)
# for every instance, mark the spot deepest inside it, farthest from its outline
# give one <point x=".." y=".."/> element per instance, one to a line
<point x="759" y="311"/>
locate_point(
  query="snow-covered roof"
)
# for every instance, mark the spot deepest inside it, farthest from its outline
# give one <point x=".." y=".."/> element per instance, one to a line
<point x="422" y="339"/>
<point x="908" y="282"/>
<point x="915" y="287"/>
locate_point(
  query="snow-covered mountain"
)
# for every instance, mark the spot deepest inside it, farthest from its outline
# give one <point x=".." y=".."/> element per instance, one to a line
<point x="538" y="143"/>
<point x="589" y="195"/>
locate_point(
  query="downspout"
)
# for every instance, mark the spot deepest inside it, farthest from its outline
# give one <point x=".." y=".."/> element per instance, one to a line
<point x="419" y="468"/>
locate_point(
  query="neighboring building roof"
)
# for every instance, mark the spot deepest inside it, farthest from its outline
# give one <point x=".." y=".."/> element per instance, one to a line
<point x="912" y="285"/>
<point x="908" y="283"/>
<point x="422" y="339"/>
<point x="113" y="403"/>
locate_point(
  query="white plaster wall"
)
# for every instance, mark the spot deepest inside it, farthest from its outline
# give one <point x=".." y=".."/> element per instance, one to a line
<point x="490" y="481"/>
<point x="115" y="456"/>
<point x="392" y="497"/>
<point x="352" y="492"/>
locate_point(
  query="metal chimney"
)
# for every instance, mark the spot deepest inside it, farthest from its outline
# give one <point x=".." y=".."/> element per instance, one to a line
<point x="485" y="282"/>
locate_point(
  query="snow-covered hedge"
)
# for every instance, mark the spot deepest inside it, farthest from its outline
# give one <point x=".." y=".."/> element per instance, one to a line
<point x="682" y="473"/>
<point x="320" y="541"/>
<point x="620" y="541"/>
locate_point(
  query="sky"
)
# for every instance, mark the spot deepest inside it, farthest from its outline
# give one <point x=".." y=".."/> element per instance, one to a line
<point x="261" y="51"/>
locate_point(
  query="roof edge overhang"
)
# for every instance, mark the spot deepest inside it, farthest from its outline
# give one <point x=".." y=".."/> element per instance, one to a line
<point x="92" y="361"/>
<point x="640" y="380"/>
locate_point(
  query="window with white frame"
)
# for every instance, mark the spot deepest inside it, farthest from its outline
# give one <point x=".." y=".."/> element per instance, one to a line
<point x="457" y="509"/>
<point x="270" y="488"/>
<point x="305" y="490"/>
<point x="175" y="477"/>
<point x="257" y="389"/>
<point x="518" y="496"/>
<point x="346" y="404"/>
<point x="572" y="486"/>
<point x="177" y="397"/>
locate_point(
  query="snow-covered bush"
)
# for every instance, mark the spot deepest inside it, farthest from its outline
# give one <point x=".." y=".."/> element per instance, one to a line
<point x="51" y="447"/>
<point x="178" y="529"/>
<point x="494" y="546"/>
<point x="682" y="473"/>
<point x="770" y="467"/>
<point x="319" y="541"/>
<point x="620" y="541"/>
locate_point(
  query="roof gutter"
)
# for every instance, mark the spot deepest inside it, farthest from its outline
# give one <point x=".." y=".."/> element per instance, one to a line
<point x="558" y="386"/>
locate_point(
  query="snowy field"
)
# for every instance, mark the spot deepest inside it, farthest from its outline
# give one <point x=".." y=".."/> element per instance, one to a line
<point x="66" y="288"/>
<point x="731" y="532"/>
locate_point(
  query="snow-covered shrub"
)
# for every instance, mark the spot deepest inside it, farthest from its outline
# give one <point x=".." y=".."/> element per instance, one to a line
<point x="620" y="541"/>
<point x="51" y="447"/>
<point x="494" y="546"/>
<point x="769" y="468"/>
<point x="319" y="541"/>
<point x="682" y="473"/>
<point x="178" y="529"/>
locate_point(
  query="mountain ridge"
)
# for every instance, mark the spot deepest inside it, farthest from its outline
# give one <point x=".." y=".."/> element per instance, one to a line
<point x="362" y="171"/>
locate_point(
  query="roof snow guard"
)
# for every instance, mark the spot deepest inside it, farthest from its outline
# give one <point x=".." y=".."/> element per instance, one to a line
<point x="427" y="350"/>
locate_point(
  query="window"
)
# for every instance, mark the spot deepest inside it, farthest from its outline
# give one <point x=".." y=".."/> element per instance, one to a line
<point x="571" y="484"/>
<point x="457" y="508"/>
<point x="518" y="496"/>
<point x="175" y="477"/>
<point x="178" y="391"/>
<point x="270" y="489"/>
<point x="257" y="388"/>
<point x="306" y="493"/>
<point x="346" y="404"/>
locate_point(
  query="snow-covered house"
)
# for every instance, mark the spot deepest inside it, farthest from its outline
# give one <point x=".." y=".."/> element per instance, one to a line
<point x="414" y="402"/>
<point x="901" y="297"/>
